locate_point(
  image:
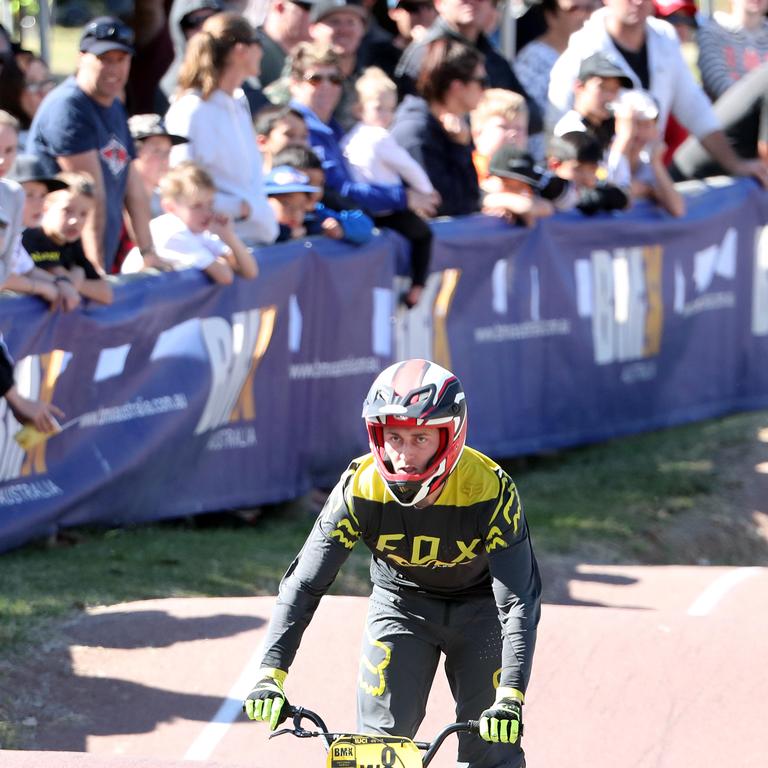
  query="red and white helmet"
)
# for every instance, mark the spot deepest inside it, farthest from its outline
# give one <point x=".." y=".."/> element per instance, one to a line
<point x="417" y="393"/>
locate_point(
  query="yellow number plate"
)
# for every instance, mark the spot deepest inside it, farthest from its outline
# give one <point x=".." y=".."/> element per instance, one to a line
<point x="357" y="751"/>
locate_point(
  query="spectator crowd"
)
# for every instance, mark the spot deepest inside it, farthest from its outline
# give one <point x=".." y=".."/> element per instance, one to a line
<point x="188" y="139"/>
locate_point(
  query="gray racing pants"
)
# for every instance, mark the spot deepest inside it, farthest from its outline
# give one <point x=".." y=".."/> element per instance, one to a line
<point x="405" y="635"/>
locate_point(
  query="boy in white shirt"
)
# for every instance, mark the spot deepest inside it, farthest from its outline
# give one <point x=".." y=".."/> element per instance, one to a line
<point x="191" y="234"/>
<point x="376" y="158"/>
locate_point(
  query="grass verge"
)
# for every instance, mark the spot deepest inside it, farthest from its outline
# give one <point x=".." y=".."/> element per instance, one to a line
<point x="610" y="501"/>
<point x="648" y="498"/>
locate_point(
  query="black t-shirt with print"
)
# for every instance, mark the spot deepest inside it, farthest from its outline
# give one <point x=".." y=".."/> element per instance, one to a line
<point x="48" y="254"/>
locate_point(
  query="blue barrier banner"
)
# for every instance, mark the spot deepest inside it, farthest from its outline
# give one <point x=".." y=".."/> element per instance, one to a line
<point x="184" y="397"/>
<point x="580" y="331"/>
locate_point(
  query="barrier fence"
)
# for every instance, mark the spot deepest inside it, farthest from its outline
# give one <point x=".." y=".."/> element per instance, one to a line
<point x="184" y="397"/>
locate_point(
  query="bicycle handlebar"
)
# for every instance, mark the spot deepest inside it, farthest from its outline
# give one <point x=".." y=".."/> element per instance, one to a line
<point x="430" y="748"/>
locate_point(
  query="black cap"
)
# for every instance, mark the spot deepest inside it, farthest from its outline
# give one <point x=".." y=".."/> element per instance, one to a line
<point x="510" y="162"/>
<point x="323" y="8"/>
<point x="214" y="6"/>
<point x="144" y="126"/>
<point x="29" y="168"/>
<point x="600" y="65"/>
<point x="106" y="33"/>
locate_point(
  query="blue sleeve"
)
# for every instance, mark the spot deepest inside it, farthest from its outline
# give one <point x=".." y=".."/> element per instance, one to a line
<point x="373" y="198"/>
<point x="358" y="228"/>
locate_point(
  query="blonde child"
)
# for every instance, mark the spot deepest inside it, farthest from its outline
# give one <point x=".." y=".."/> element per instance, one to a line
<point x="501" y="118"/>
<point x="375" y="157"/>
<point x="191" y="234"/>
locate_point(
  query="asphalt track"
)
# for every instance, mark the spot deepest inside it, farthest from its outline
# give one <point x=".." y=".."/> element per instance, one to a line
<point x="635" y="667"/>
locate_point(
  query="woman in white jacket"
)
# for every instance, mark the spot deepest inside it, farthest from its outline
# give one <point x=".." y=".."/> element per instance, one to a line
<point x="212" y="111"/>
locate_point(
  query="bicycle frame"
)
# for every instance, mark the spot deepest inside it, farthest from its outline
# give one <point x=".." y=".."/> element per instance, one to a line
<point x="345" y="748"/>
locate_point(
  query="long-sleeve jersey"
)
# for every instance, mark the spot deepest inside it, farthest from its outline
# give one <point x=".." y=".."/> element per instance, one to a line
<point x="472" y="542"/>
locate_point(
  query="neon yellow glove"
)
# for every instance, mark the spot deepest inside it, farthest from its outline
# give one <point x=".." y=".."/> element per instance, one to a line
<point x="503" y="722"/>
<point x="267" y="701"/>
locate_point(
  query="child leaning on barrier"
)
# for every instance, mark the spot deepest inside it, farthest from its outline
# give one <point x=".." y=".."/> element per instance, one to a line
<point x="513" y="188"/>
<point x="17" y="271"/>
<point x="637" y="142"/>
<point x="288" y="191"/>
<point x="574" y="159"/>
<point x="499" y="119"/>
<point x="55" y="245"/>
<point x="190" y="234"/>
<point x="452" y="566"/>
<point x="328" y="213"/>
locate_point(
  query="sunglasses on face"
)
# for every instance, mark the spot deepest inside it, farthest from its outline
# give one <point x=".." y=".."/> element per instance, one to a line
<point x="43" y="86"/>
<point x="118" y="33"/>
<point x="316" y="79"/>
<point x="481" y="80"/>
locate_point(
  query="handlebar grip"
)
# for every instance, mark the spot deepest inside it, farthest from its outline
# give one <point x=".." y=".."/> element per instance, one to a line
<point x="473" y="726"/>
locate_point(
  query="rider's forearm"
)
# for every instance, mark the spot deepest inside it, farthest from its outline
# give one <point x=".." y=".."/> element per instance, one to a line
<point x="517" y="590"/>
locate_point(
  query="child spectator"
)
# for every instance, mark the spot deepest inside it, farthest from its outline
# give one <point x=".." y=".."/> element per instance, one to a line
<point x="375" y="157"/>
<point x="512" y="187"/>
<point x="596" y="88"/>
<point x="288" y="192"/>
<point x="349" y="224"/>
<point x="500" y="118"/>
<point x="153" y="145"/>
<point x="17" y="271"/>
<point x="55" y="245"/>
<point x="279" y="127"/>
<point x="36" y="183"/>
<point x="189" y="233"/>
<point x="637" y="142"/>
<point x="575" y="159"/>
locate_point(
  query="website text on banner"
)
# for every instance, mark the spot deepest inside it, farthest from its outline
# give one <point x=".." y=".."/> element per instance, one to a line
<point x="183" y="397"/>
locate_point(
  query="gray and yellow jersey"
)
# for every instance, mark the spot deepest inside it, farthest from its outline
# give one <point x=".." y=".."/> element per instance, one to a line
<point x="471" y="543"/>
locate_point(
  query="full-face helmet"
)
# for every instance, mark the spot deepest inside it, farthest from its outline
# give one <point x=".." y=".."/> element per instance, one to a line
<point x="417" y="393"/>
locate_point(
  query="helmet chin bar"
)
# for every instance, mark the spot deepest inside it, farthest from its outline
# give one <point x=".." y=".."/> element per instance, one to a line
<point x="420" y="488"/>
<point x="421" y="493"/>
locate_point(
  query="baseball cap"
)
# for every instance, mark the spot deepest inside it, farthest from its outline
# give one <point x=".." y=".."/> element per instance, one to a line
<point x="284" y="179"/>
<point x="29" y="168"/>
<point x="144" y="126"/>
<point x="106" y="33"/>
<point x="323" y="8"/>
<point x="511" y="162"/>
<point x="599" y="65"/>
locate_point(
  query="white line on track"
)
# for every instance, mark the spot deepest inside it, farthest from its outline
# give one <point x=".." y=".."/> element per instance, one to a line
<point x="215" y="730"/>
<point x="715" y="592"/>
